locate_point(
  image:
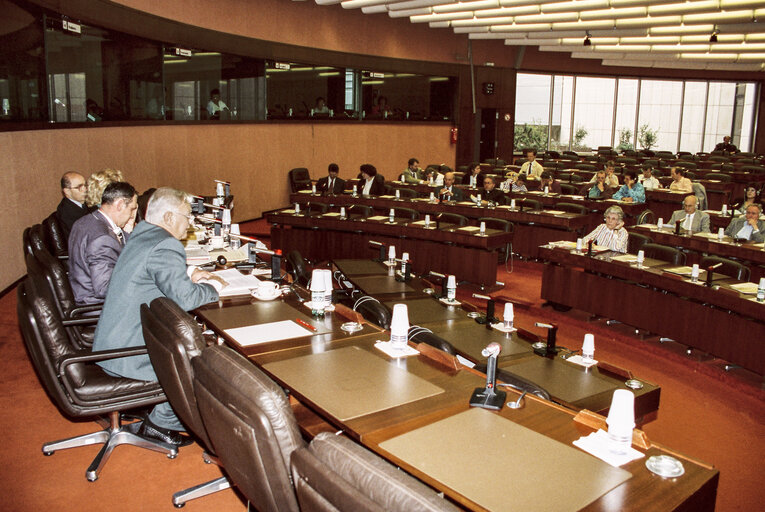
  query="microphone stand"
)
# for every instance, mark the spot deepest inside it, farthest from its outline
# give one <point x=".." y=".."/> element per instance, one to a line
<point x="489" y="397"/>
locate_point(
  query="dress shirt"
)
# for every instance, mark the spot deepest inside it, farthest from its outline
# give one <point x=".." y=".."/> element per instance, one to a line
<point x="532" y="169"/>
<point x="519" y="187"/>
<point x="637" y="193"/>
<point x="612" y="180"/>
<point x="740" y="228"/>
<point x="367" y="186"/>
<point x="649" y="183"/>
<point x="684" y="185"/>
<point x="614" y="239"/>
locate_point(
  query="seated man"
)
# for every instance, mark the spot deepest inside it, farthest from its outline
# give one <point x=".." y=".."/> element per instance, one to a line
<point x="612" y="180"/>
<point x="152" y="264"/>
<point x="726" y="146"/>
<point x="748" y="227"/>
<point x="648" y="180"/>
<point x="679" y="182"/>
<point x="631" y="191"/>
<point x="531" y="168"/>
<point x="599" y="190"/>
<point x="72" y="205"/>
<point x="546" y="180"/>
<point x="693" y="220"/>
<point x="490" y="193"/>
<point x="473" y="178"/>
<point x="450" y="192"/>
<point x="331" y="184"/>
<point x="97" y="240"/>
<point x="412" y="174"/>
<point x="611" y="233"/>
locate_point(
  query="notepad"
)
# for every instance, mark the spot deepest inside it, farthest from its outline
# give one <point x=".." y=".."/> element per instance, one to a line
<point x="625" y="258"/>
<point x="469" y="229"/>
<point x="377" y="217"/>
<point x="263" y="333"/>
<point x="747" y="288"/>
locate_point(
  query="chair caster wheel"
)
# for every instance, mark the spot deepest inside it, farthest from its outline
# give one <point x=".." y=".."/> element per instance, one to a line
<point x="48" y="454"/>
<point x="172" y="455"/>
<point x="179" y="505"/>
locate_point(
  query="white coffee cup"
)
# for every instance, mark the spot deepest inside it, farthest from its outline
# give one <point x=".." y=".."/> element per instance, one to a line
<point x="216" y="242"/>
<point x="268" y="289"/>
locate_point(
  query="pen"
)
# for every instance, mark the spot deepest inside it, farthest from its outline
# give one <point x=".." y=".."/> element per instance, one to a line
<point x="305" y="324"/>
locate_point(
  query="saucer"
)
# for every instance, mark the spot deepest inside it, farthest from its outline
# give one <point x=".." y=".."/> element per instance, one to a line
<point x="273" y="296"/>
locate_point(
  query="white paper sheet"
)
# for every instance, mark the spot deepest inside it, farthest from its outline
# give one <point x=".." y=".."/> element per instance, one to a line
<point x="263" y="333"/>
<point x="597" y="444"/>
<point x="238" y="283"/>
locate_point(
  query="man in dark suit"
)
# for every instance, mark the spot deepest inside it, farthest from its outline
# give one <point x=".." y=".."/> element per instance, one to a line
<point x="97" y="240"/>
<point x="450" y="192"/>
<point x="748" y="227"/>
<point x="331" y="185"/>
<point x="152" y="264"/>
<point x="726" y="146"/>
<point x="72" y="205"/>
<point x="490" y="193"/>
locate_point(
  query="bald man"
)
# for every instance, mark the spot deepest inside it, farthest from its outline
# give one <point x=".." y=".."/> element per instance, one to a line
<point x="72" y="205"/>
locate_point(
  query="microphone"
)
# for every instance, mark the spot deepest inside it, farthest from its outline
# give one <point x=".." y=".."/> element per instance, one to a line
<point x="381" y="246"/>
<point x="489" y="318"/>
<point x="489" y="397"/>
<point x="443" y="282"/>
<point x="677" y="224"/>
<point x="710" y="272"/>
<point x="549" y="349"/>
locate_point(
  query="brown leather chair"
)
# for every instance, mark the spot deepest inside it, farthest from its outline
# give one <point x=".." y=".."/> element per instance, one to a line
<point x="33" y="239"/>
<point x="502" y="225"/>
<point x="361" y="210"/>
<point x="404" y="192"/>
<point x="76" y="384"/>
<point x="173" y="339"/>
<point x="636" y="241"/>
<point x="297" y="268"/>
<point x="452" y="218"/>
<point x="572" y="208"/>
<point x="731" y="268"/>
<point x="664" y="253"/>
<point x="250" y="424"/>
<point x="55" y="237"/>
<point x="299" y="179"/>
<point x="645" y="217"/>
<point x="334" y="474"/>
<point x="406" y="213"/>
<point x="530" y="204"/>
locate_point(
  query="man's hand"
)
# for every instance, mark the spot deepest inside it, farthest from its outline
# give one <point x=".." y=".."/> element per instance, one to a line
<point x="752" y="222"/>
<point x="198" y="274"/>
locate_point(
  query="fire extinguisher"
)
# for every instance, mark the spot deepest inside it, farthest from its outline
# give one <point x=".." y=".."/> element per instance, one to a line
<point x="453" y="135"/>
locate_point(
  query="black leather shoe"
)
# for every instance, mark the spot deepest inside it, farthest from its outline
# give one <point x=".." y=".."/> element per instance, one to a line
<point x="150" y="431"/>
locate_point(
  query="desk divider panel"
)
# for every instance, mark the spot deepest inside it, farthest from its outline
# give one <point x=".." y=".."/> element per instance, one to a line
<point x="504" y="466"/>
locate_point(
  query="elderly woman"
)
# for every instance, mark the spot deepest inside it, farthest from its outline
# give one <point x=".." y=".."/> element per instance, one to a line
<point x="611" y="233"/>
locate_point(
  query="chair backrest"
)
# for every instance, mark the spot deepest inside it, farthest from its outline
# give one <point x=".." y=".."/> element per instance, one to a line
<point x="725" y="178"/>
<point x="405" y="192"/>
<point x="636" y="241"/>
<point x="372" y="310"/>
<point x="686" y="164"/>
<point x="361" y="209"/>
<point x="250" y="424"/>
<point x="299" y="179"/>
<point x="576" y="178"/>
<point x="586" y="167"/>
<point x="406" y="213"/>
<point x="452" y="218"/>
<point x="334" y="474"/>
<point x="565" y="188"/>
<point x="419" y="334"/>
<point x="531" y="204"/>
<point x="33" y="239"/>
<point x="173" y="339"/>
<point x="58" y="282"/>
<point x="314" y="208"/>
<point x="494" y="223"/>
<point x="701" y="194"/>
<point x="664" y="253"/>
<point x="731" y="268"/>
<point x="55" y="236"/>
<point x="645" y="217"/>
<point x="295" y="265"/>
<point x="572" y="208"/>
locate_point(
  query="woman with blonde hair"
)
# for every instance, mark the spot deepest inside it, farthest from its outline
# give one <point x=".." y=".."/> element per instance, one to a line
<point x="97" y="182"/>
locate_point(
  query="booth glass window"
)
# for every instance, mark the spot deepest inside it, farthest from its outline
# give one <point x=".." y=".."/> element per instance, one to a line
<point x="407" y="96"/>
<point x="302" y="91"/>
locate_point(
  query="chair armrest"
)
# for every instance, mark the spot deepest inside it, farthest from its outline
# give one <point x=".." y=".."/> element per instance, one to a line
<point x="89" y="308"/>
<point x="87" y="356"/>
<point x="80" y="321"/>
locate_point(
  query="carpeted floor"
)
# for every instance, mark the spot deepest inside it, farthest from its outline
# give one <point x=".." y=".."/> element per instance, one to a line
<point x="705" y="413"/>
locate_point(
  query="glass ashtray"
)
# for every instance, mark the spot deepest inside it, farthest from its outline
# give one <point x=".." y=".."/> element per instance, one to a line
<point x="473" y="314"/>
<point x="351" y="327"/>
<point x="665" y="466"/>
<point x="634" y="384"/>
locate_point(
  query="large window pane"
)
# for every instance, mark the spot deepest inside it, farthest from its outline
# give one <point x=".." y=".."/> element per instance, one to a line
<point x="720" y="103"/>
<point x="659" y="120"/>
<point x="532" y="111"/>
<point x="593" y="113"/>
<point x="747" y="115"/>
<point x="562" y="101"/>
<point x="22" y="70"/>
<point x="626" y="110"/>
<point x="694" y="103"/>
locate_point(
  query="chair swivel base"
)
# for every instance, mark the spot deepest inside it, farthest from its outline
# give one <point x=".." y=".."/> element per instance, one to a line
<point x="181" y="497"/>
<point x="110" y="437"/>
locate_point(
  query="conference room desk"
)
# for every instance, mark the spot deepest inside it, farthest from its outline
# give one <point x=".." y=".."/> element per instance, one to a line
<point x="532" y="227"/>
<point x="700" y="244"/>
<point x="450" y="249"/>
<point x="483" y="460"/>
<point x="718" y="320"/>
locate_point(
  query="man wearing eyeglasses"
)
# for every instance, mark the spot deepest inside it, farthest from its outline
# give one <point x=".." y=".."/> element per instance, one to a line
<point x="72" y="205"/>
<point x="152" y="264"/>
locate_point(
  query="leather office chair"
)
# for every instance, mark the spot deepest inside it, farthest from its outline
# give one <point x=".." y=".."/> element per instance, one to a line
<point x="32" y="239"/>
<point x="571" y="208"/>
<point x="636" y="241"/>
<point x="299" y="179"/>
<point x="55" y="237"/>
<point x="334" y="474"/>
<point x="76" y="384"/>
<point x="372" y="310"/>
<point x="664" y="253"/>
<point x="686" y="164"/>
<point x="645" y="217"/>
<point x="501" y="225"/>
<point x="725" y="178"/>
<point x="295" y="266"/>
<point x="576" y="178"/>
<point x="701" y="194"/>
<point x="731" y="268"/>
<point x="452" y="218"/>
<point x="79" y="321"/>
<point x="406" y="213"/>
<point x="531" y="204"/>
<point x="317" y="208"/>
<point x="567" y="189"/>
<point x="586" y="167"/>
<point x="419" y="334"/>
<point x="250" y="424"/>
<point x="408" y="193"/>
<point x="360" y="210"/>
<point x="173" y="339"/>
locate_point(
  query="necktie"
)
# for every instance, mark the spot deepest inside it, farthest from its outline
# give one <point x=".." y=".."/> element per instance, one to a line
<point x="688" y="221"/>
<point x="331" y="187"/>
<point x="121" y="237"/>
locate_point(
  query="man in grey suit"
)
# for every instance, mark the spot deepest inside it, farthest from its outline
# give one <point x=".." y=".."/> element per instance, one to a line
<point x="748" y="227"/>
<point x="152" y="264"/>
<point x="96" y="242"/>
<point x="692" y="219"/>
<point x="450" y="192"/>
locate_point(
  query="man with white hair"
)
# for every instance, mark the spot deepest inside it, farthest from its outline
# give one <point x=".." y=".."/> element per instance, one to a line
<point x="152" y="264"/>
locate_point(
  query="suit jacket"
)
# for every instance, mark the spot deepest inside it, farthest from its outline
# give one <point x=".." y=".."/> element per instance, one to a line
<point x="152" y="264"/>
<point x="323" y="183"/>
<point x="68" y="213"/>
<point x="378" y="186"/>
<point x="411" y="177"/>
<point x="700" y="222"/>
<point x="496" y="195"/>
<point x="738" y="223"/>
<point x="93" y="252"/>
<point x="457" y="194"/>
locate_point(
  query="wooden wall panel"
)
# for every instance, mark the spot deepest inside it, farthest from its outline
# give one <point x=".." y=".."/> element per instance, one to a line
<point x="255" y="158"/>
